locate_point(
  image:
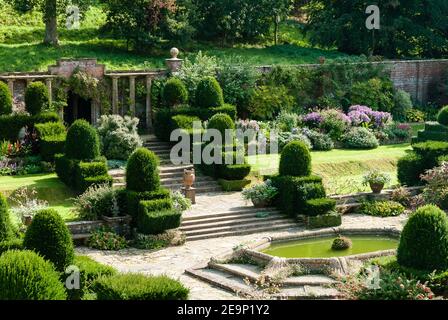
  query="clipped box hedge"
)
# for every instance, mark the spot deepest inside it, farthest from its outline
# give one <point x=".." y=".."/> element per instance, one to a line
<point x="10" y="125"/>
<point x="51" y="146"/>
<point x="155" y="222"/>
<point x="319" y="206"/>
<point x="333" y="219"/>
<point x="130" y="200"/>
<point x="139" y="287"/>
<point x="234" y="172"/>
<point x="233" y="185"/>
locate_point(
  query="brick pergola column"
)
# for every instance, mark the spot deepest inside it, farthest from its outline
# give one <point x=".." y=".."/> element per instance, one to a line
<point x="132" y="94"/>
<point x="115" y="95"/>
<point x="148" y="103"/>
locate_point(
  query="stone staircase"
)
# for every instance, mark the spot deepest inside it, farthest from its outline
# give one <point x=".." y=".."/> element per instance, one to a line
<point x="241" y="278"/>
<point x="171" y="176"/>
<point x="236" y="221"/>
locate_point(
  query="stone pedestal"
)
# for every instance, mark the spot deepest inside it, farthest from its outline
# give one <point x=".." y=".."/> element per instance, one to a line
<point x="190" y="194"/>
<point x="174" y="64"/>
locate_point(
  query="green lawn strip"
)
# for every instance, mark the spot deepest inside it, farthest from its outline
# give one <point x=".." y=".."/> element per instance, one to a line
<point x="48" y="188"/>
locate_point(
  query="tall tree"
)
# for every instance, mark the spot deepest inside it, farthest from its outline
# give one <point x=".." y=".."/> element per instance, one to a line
<point x="51" y="10"/>
<point x="417" y="28"/>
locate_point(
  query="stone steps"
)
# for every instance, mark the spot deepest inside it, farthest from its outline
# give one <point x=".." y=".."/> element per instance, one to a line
<point x="231" y="212"/>
<point x="241" y="278"/>
<point x="224" y="218"/>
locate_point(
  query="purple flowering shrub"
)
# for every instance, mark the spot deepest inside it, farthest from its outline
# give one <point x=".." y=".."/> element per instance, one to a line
<point x="365" y="116"/>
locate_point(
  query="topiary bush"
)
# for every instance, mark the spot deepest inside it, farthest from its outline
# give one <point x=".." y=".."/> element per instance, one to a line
<point x="49" y="236"/>
<point x="82" y="141"/>
<point x="442" y="117"/>
<point x="37" y="98"/>
<point x="319" y="206"/>
<point x="5" y="99"/>
<point x="139" y="287"/>
<point x="142" y="173"/>
<point x="24" y="275"/>
<point x="221" y="122"/>
<point x="6" y="230"/>
<point x="174" y="92"/>
<point x="424" y="240"/>
<point x="295" y="160"/>
<point x="209" y="93"/>
<point x="409" y="169"/>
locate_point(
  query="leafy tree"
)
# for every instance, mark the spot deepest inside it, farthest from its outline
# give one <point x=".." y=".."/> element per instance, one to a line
<point x="51" y="9"/>
<point x="407" y="28"/>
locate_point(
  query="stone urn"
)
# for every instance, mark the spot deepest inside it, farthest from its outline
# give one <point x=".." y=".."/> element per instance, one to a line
<point x="189" y="178"/>
<point x="376" y="187"/>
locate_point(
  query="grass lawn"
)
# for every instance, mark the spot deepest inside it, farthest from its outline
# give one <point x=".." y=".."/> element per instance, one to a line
<point x="21" y="48"/>
<point x="342" y="170"/>
<point x="48" y="188"/>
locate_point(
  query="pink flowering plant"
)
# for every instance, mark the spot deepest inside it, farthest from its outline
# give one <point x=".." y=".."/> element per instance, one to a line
<point x="436" y="189"/>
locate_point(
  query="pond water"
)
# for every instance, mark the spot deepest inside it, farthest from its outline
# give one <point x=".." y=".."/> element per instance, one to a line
<point x="321" y="247"/>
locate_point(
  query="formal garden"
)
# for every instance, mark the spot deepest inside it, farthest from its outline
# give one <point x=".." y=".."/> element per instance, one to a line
<point x="345" y="197"/>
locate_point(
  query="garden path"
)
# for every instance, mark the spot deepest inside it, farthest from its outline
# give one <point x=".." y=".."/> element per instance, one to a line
<point x="174" y="260"/>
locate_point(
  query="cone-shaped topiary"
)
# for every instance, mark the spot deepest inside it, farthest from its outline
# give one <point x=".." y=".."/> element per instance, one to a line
<point x="49" y="236"/>
<point x="5" y="99"/>
<point x="295" y="160"/>
<point x="424" y="240"/>
<point x="24" y="275"/>
<point x="142" y="173"/>
<point x="82" y="141"/>
<point x="442" y="117"/>
<point x="6" y="230"/>
<point x="175" y="92"/>
<point x="221" y="122"/>
<point x="36" y="98"/>
<point x="209" y="93"/>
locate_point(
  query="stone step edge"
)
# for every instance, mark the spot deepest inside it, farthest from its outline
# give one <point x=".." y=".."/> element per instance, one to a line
<point x="225" y="234"/>
<point x="236" y="216"/>
<point x="246" y="227"/>
<point x="230" y="223"/>
<point x="241" y="210"/>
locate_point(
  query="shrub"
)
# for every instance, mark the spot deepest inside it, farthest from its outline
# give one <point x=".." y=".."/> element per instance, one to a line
<point x="267" y="102"/>
<point x="6" y="229"/>
<point x="436" y="189"/>
<point x="14" y="244"/>
<point x="234" y="171"/>
<point x="402" y="105"/>
<point x="209" y="93"/>
<point x="228" y="109"/>
<point x="5" y="99"/>
<point x="139" y="287"/>
<point x="329" y="220"/>
<point x="97" y="201"/>
<point x="375" y="93"/>
<point x="49" y="129"/>
<point x="82" y="141"/>
<point x="295" y="160"/>
<point x="334" y="123"/>
<point x="158" y="241"/>
<point x="102" y="239"/>
<point x="174" y="92"/>
<point x="10" y="125"/>
<point x="36" y="98"/>
<point x="183" y="122"/>
<point x="381" y="208"/>
<point x="180" y="202"/>
<point x="319" y="141"/>
<point x="156" y="204"/>
<point x="233" y="185"/>
<point x="221" y="122"/>
<point x="49" y="236"/>
<point x="90" y="271"/>
<point x="286" y="137"/>
<point x="320" y="206"/>
<point x="286" y="121"/>
<point x="341" y="243"/>
<point x="130" y="200"/>
<point x="119" y="136"/>
<point x="52" y="137"/>
<point x="24" y="275"/>
<point x="262" y="192"/>
<point x="155" y="222"/>
<point x="142" y="173"/>
<point x="415" y="115"/>
<point x="360" y="138"/>
<point x="424" y="240"/>
<point x="442" y="117"/>
<point x="409" y="169"/>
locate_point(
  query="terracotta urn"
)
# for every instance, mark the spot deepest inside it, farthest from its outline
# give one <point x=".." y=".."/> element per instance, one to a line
<point x="260" y="203"/>
<point x="189" y="178"/>
<point x="377" y="187"/>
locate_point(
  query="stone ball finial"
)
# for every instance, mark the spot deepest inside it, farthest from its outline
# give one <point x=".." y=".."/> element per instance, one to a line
<point x="174" y="53"/>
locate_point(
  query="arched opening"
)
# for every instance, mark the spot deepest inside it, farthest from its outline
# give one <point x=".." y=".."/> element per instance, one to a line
<point x="77" y="108"/>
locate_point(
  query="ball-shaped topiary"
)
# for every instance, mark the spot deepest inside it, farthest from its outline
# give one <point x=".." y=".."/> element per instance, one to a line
<point x="82" y="141"/>
<point x="5" y="99"/>
<point x="49" y="236"/>
<point x="295" y="160"/>
<point x="142" y="173"/>
<point x="209" y="93"/>
<point x="36" y="98"/>
<point x="424" y="240"/>
<point x="24" y="275"/>
<point x="221" y="122"/>
<point x="174" y="92"/>
<point x="6" y="230"/>
<point x="442" y="117"/>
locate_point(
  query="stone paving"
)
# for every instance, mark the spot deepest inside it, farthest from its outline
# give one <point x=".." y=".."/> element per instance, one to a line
<point x="173" y="261"/>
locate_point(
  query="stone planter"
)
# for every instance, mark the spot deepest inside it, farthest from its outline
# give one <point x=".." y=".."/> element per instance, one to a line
<point x="260" y="203"/>
<point x="376" y="187"/>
